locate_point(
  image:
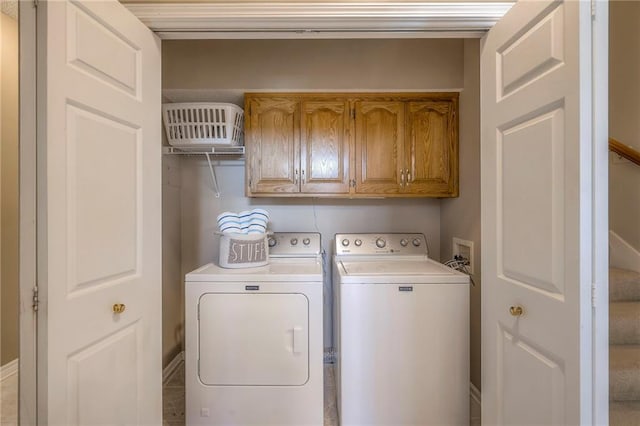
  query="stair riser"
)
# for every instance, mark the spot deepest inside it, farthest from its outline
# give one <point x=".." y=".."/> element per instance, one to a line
<point x="624" y="331"/>
<point x="624" y="385"/>
<point x="624" y="286"/>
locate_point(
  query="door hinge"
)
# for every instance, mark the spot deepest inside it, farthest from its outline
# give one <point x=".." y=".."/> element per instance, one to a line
<point x="35" y="299"/>
<point x="35" y="3"/>
<point x="593" y="8"/>
<point x="593" y="295"/>
<point x="353" y="113"/>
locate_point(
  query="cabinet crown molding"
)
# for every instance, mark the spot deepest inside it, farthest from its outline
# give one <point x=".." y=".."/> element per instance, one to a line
<point x="349" y="19"/>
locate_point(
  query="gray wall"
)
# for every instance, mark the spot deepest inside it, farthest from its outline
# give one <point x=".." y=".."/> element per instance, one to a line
<point x="172" y="276"/>
<point x="624" y="114"/>
<point x="460" y="217"/>
<point x="9" y="282"/>
<point x="225" y="69"/>
<point x="425" y="64"/>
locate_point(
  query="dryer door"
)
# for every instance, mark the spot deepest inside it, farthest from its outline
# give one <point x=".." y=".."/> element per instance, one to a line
<point x="253" y="339"/>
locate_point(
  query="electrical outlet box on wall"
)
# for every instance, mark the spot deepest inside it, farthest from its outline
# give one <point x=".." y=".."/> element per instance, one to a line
<point x="464" y="248"/>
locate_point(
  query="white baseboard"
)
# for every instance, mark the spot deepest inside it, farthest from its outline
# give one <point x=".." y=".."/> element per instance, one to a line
<point x="475" y="393"/>
<point x="622" y="254"/>
<point x="171" y="368"/>
<point x="8" y="370"/>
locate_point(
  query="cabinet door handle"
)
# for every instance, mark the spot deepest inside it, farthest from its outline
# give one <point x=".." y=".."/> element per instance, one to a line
<point x="295" y="178"/>
<point x="304" y="181"/>
<point x="408" y="176"/>
<point x="401" y="178"/>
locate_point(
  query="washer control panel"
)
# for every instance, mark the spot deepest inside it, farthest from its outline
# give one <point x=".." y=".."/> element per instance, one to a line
<point x="294" y="244"/>
<point x="391" y="244"/>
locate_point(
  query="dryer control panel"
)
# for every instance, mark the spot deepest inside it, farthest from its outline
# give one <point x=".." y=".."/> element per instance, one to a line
<point x="398" y="244"/>
<point x="294" y="244"/>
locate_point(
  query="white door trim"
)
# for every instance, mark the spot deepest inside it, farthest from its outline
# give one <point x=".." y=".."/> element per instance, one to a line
<point x="27" y="146"/>
<point x="317" y="19"/>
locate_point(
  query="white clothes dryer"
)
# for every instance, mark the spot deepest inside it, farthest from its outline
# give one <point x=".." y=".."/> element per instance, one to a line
<point x="401" y="332"/>
<point x="254" y="341"/>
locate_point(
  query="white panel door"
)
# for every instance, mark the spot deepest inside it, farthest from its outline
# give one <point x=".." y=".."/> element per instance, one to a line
<point x="99" y="216"/>
<point x="253" y="339"/>
<point x="537" y="215"/>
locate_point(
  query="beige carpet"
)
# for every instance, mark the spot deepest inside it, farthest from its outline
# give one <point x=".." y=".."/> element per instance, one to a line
<point x="624" y="347"/>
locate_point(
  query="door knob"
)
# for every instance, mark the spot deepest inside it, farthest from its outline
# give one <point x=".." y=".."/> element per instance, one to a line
<point x="516" y="311"/>
<point x="118" y="308"/>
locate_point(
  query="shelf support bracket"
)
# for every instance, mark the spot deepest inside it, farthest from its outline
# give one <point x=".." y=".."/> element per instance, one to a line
<point x="213" y="175"/>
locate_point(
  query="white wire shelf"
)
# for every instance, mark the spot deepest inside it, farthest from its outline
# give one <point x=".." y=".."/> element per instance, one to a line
<point x="216" y="151"/>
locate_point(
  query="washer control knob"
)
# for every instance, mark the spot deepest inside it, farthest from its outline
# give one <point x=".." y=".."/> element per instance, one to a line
<point x="294" y="241"/>
<point x="358" y="242"/>
<point x="380" y="243"/>
<point x="416" y="242"/>
<point x="345" y="243"/>
<point x="404" y="242"/>
<point x="306" y="241"/>
<point x="272" y="242"/>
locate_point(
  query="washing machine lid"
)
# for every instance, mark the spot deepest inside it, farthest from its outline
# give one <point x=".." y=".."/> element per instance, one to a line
<point x="381" y="270"/>
<point x="278" y="270"/>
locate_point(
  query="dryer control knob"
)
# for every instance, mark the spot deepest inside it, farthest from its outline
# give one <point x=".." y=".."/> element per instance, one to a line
<point x="404" y="242"/>
<point x="272" y="242"/>
<point x="306" y="241"/>
<point x="358" y="242"/>
<point x="380" y="243"/>
<point x="416" y="242"/>
<point x="294" y="241"/>
<point x="345" y="242"/>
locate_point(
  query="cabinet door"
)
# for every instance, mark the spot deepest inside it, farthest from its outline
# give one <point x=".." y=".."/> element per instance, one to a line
<point x="273" y="145"/>
<point x="432" y="148"/>
<point x="324" y="148"/>
<point x="379" y="145"/>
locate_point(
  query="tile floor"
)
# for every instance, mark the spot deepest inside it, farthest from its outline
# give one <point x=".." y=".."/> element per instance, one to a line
<point x="173" y="399"/>
<point x="9" y="401"/>
<point x="173" y="394"/>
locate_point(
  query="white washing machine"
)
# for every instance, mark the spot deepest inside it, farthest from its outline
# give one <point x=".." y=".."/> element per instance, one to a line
<point x="401" y="331"/>
<point x="254" y="342"/>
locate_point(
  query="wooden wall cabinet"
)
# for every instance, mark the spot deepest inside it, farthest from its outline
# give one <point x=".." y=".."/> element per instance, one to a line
<point x="431" y="148"/>
<point x="379" y="146"/>
<point x="352" y="145"/>
<point x="296" y="145"/>
<point x="272" y="139"/>
<point x="324" y="147"/>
